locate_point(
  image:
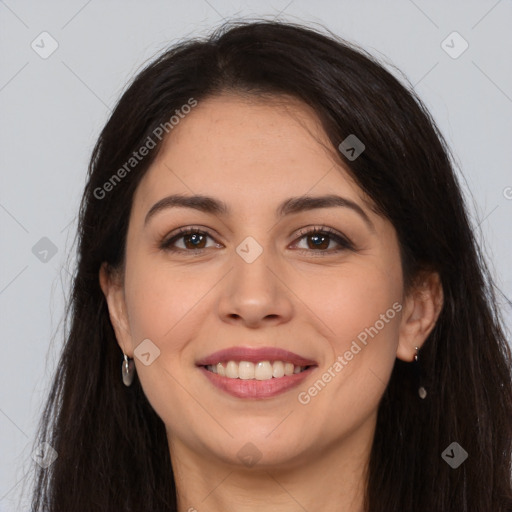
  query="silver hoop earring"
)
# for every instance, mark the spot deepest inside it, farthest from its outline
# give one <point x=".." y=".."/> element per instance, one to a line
<point x="127" y="370"/>
<point x="422" y="392"/>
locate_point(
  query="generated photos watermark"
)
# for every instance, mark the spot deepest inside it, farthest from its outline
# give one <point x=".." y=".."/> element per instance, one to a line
<point x="304" y="397"/>
<point x="137" y="156"/>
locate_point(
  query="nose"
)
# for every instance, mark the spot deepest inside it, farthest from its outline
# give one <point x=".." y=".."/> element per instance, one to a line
<point x="255" y="295"/>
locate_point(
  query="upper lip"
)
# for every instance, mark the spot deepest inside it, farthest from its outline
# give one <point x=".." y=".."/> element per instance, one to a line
<point x="255" y="355"/>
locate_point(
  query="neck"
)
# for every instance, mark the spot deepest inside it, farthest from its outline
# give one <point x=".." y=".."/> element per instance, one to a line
<point x="322" y="478"/>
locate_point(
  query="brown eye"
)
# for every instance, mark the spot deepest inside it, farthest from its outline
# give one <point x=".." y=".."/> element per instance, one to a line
<point x="320" y="239"/>
<point x="194" y="241"/>
<point x="188" y="239"/>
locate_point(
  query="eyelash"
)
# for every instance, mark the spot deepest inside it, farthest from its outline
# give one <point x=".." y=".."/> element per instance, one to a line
<point x="343" y="242"/>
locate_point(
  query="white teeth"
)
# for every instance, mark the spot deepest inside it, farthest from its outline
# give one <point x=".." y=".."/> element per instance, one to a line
<point x="263" y="370"/>
<point x="288" y="369"/>
<point x="245" y="370"/>
<point x="278" y="369"/>
<point x="232" y="370"/>
<point x="221" y="369"/>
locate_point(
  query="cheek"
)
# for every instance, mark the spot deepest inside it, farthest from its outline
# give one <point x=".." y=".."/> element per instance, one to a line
<point x="163" y="305"/>
<point x="365" y="310"/>
<point x="366" y="323"/>
<point x="362" y="311"/>
<point x="355" y="302"/>
<point x="160" y="300"/>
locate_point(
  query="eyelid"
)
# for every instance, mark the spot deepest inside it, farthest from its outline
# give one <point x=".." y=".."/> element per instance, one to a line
<point x="181" y="232"/>
<point x="343" y="242"/>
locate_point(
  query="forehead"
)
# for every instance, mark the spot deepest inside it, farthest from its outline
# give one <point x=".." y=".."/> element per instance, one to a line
<point x="247" y="148"/>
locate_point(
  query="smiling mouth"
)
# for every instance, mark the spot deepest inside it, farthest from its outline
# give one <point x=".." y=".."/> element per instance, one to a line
<point x="262" y="370"/>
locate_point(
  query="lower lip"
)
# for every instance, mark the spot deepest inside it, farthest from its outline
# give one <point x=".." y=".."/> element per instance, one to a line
<point x="252" y="388"/>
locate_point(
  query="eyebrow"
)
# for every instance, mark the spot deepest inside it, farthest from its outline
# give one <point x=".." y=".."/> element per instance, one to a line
<point x="290" y="206"/>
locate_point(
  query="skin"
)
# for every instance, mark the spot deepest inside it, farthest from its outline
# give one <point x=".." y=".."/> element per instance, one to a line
<point x="253" y="153"/>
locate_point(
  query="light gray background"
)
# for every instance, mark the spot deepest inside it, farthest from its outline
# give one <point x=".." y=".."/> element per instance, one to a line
<point x="53" y="109"/>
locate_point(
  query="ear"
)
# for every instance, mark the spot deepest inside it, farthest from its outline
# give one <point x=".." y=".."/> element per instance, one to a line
<point x="113" y="289"/>
<point x="422" y="308"/>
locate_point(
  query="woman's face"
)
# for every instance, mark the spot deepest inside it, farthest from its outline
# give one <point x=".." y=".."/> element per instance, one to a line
<point x="261" y="273"/>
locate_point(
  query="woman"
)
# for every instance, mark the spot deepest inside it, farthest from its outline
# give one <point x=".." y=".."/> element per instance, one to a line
<point x="279" y="302"/>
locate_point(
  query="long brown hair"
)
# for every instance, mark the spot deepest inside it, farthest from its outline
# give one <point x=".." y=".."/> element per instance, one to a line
<point x="112" y="447"/>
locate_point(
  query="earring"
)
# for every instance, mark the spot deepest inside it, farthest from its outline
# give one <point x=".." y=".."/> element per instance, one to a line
<point x="127" y="370"/>
<point x="422" y="392"/>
